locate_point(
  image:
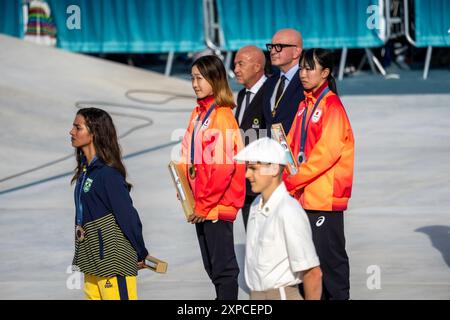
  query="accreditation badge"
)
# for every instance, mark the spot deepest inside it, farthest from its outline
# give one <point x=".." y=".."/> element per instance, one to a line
<point x="79" y="233"/>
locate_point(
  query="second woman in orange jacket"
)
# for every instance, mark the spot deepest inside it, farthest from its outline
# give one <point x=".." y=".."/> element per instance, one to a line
<point x="322" y="142"/>
<point x="217" y="181"/>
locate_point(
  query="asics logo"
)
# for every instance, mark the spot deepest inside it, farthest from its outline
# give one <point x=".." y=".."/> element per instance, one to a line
<point x="320" y="221"/>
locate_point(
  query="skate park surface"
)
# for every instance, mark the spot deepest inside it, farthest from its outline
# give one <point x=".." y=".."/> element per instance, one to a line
<point x="397" y="226"/>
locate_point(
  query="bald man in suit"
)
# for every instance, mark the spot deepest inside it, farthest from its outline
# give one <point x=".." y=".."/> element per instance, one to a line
<point x="284" y="91"/>
<point x="249" y="65"/>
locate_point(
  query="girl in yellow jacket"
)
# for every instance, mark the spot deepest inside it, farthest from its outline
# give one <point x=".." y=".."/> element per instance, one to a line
<point x="321" y="140"/>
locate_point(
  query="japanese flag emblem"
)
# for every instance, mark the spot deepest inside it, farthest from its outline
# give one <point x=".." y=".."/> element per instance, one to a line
<point x="316" y="116"/>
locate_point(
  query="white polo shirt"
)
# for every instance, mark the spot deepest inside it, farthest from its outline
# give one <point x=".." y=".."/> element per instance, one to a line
<point x="279" y="243"/>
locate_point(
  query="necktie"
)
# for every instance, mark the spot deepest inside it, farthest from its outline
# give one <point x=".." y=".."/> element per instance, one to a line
<point x="247" y="102"/>
<point x="279" y="94"/>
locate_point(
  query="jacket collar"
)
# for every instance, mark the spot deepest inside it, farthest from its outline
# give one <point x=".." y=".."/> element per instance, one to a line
<point x="255" y="88"/>
<point x="96" y="162"/>
<point x="205" y="103"/>
<point x="290" y="73"/>
<point x="313" y="95"/>
<point x="273" y="202"/>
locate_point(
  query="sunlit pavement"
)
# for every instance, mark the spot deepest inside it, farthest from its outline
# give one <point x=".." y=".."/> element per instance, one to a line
<point x="397" y="227"/>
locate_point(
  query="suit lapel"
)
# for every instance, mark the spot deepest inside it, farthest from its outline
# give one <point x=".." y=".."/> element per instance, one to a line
<point x="268" y="90"/>
<point x="240" y="99"/>
<point x="253" y="104"/>
<point x="294" y="85"/>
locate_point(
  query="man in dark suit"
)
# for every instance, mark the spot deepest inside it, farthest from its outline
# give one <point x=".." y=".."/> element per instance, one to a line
<point x="284" y="91"/>
<point x="249" y="70"/>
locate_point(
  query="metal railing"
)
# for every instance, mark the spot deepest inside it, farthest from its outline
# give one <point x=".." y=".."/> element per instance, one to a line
<point x="426" y="67"/>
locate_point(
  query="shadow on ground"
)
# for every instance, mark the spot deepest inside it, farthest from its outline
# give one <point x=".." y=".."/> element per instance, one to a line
<point x="440" y="239"/>
<point x="240" y="256"/>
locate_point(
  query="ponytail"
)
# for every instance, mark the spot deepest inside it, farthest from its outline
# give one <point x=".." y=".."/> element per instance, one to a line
<point x="332" y="84"/>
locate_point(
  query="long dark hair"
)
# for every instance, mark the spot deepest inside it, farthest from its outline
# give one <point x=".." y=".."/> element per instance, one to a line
<point x="101" y="126"/>
<point x="213" y="70"/>
<point x="324" y="58"/>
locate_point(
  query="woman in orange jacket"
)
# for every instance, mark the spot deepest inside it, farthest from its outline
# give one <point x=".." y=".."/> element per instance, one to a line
<point x="321" y="139"/>
<point x="217" y="181"/>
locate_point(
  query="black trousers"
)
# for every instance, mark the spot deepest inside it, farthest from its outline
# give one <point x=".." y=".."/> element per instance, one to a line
<point x="246" y="208"/>
<point x="329" y="241"/>
<point x="219" y="259"/>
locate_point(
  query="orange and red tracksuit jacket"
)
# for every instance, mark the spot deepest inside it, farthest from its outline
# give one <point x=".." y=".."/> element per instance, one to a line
<point x="324" y="181"/>
<point x="219" y="184"/>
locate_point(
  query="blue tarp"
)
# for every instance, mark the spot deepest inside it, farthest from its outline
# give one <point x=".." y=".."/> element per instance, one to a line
<point x="323" y="23"/>
<point x="432" y="23"/>
<point x="129" y="25"/>
<point x="11" y="18"/>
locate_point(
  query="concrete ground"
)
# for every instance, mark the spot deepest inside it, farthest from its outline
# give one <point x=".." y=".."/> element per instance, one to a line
<point x="397" y="227"/>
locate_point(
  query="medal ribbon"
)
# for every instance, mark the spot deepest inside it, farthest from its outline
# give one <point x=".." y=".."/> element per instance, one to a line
<point x="194" y="133"/>
<point x="78" y="204"/>
<point x="304" y="131"/>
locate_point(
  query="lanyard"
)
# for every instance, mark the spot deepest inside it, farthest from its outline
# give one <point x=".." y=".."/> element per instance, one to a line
<point x="194" y="133"/>
<point x="78" y="204"/>
<point x="304" y="131"/>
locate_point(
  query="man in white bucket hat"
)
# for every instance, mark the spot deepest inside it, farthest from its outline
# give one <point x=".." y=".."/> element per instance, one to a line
<point x="280" y="252"/>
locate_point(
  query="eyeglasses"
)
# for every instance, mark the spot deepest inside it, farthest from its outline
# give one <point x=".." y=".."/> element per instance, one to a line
<point x="278" y="46"/>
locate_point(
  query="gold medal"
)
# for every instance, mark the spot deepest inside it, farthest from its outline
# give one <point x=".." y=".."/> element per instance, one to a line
<point x="79" y="233"/>
<point x="192" y="171"/>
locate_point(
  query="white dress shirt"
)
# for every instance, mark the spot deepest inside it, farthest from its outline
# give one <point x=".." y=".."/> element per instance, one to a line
<point x="279" y="243"/>
<point x="254" y="90"/>
<point x="289" y="75"/>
